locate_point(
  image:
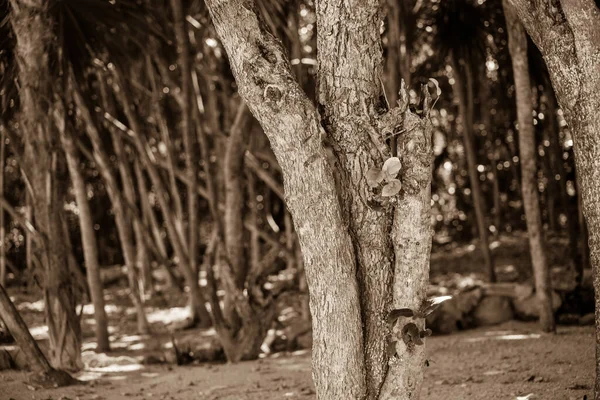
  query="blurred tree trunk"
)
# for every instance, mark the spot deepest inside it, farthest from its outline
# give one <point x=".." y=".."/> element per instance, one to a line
<point x="517" y="41"/>
<point x="2" y="229"/>
<point x="122" y="220"/>
<point x="31" y="23"/>
<point x="179" y="246"/>
<point x="189" y="136"/>
<point x="398" y="60"/>
<point x="18" y="329"/>
<point x="464" y="91"/>
<point x="493" y="152"/>
<point x="558" y="163"/>
<point x="360" y="260"/>
<point x="568" y="36"/>
<point x="88" y="238"/>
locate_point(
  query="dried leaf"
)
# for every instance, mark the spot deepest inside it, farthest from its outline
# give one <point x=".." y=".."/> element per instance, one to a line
<point x="430" y="305"/>
<point x="392" y="188"/>
<point x="374" y="177"/>
<point x="391" y="350"/>
<point x="410" y="334"/>
<point x="402" y="312"/>
<point x="438" y="91"/>
<point x="392" y="166"/>
<point x="425" y="333"/>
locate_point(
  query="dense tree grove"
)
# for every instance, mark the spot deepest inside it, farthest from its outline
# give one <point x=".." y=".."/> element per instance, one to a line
<point x="241" y="154"/>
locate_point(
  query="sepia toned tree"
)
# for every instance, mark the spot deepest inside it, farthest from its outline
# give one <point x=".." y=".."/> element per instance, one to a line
<point x="517" y="41"/>
<point x="366" y="248"/>
<point x="567" y="33"/>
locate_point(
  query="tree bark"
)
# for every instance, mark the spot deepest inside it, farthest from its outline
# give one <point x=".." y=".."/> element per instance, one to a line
<point x="324" y="156"/>
<point x="517" y="41"/>
<point x="568" y="37"/>
<point x="31" y="23"/>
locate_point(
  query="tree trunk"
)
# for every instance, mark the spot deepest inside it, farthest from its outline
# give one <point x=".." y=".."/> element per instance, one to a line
<point x="346" y="236"/>
<point x="568" y="37"/>
<point x="31" y="23"/>
<point x="517" y="41"/>
<point x="122" y="221"/>
<point x="464" y="91"/>
<point x="189" y="137"/>
<point x="88" y="239"/>
<point x="18" y="329"/>
<point x="2" y="231"/>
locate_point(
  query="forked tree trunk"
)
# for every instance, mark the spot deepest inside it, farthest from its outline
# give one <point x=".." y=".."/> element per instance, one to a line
<point x="517" y="41"/>
<point x="88" y="238"/>
<point x="464" y="91"/>
<point x="31" y="23"/>
<point x="568" y="36"/>
<point x="345" y="234"/>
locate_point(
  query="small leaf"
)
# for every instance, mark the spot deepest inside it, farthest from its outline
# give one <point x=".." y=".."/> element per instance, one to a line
<point x="374" y="177"/>
<point x="392" y="188"/>
<point x="438" y="91"/>
<point x="392" y="166"/>
<point x="410" y="334"/>
<point x="430" y="305"/>
<point x="402" y="312"/>
<point x="427" y="332"/>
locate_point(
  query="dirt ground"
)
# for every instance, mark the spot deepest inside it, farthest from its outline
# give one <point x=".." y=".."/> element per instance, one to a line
<point x="509" y="361"/>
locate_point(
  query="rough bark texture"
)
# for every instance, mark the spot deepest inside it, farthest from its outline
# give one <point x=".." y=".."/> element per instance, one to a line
<point x="31" y="23"/>
<point x="324" y="157"/>
<point x="350" y="65"/>
<point x="88" y="239"/>
<point x="568" y="36"/>
<point x="294" y="130"/>
<point x="411" y="236"/>
<point x="517" y="41"/>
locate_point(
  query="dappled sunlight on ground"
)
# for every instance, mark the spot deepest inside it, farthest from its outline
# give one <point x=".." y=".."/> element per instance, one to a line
<point x="504" y="335"/>
<point x="168" y="316"/>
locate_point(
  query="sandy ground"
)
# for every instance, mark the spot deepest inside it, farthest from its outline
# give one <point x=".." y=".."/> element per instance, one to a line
<point x="509" y="361"/>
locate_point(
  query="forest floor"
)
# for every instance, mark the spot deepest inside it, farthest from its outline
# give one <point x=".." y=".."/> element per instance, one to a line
<point x="508" y="361"/>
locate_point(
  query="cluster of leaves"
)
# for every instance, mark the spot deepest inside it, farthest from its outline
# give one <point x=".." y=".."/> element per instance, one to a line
<point x="385" y="181"/>
<point x="410" y="334"/>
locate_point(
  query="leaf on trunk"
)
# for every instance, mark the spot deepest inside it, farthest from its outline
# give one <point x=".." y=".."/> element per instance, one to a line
<point x="430" y="305"/>
<point x="425" y="333"/>
<point x="391" y="349"/>
<point x="411" y="334"/>
<point x="401" y="312"/>
<point x="374" y="177"/>
<point x="392" y="188"/>
<point x="392" y="166"/>
<point x="438" y="91"/>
